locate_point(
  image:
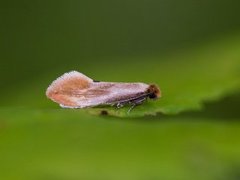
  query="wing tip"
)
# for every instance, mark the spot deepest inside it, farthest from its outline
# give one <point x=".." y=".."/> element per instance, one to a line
<point x="64" y="78"/>
<point x="73" y="74"/>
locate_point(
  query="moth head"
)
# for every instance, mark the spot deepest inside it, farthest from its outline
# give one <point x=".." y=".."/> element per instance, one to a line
<point x="153" y="91"/>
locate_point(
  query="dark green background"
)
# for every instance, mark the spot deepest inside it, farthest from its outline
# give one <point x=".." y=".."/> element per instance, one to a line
<point x="39" y="37"/>
<point x="113" y="40"/>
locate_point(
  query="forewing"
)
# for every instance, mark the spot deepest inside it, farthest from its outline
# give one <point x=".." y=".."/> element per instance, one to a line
<point x="75" y="90"/>
<point x="119" y="92"/>
<point x="70" y="89"/>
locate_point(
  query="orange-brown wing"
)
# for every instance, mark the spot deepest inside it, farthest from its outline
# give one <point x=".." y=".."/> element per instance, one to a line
<point x="75" y="90"/>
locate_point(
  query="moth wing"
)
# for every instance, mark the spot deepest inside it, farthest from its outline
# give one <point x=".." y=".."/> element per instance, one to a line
<point x="75" y="90"/>
<point x="71" y="90"/>
<point x="103" y="93"/>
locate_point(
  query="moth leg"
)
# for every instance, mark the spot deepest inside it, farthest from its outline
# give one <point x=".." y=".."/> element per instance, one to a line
<point x="119" y="105"/>
<point x="115" y="105"/>
<point x="131" y="108"/>
<point x="139" y="101"/>
<point x="136" y="102"/>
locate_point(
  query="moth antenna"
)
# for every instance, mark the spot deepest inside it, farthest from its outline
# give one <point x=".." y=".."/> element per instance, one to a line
<point x="68" y="81"/>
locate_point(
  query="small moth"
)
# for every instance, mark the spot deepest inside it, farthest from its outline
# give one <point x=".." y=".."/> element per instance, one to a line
<point x="75" y="90"/>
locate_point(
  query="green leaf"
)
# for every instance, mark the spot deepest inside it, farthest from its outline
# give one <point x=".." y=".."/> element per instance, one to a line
<point x="69" y="145"/>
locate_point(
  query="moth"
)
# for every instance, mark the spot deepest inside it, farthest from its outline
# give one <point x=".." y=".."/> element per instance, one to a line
<point x="75" y="90"/>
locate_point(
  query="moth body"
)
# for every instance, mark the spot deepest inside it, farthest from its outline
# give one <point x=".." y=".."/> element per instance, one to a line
<point x="75" y="90"/>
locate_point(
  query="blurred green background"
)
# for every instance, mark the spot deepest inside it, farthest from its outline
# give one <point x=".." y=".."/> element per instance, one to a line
<point x="191" y="49"/>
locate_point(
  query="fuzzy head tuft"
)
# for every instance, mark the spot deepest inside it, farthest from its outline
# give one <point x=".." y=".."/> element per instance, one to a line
<point x="153" y="91"/>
